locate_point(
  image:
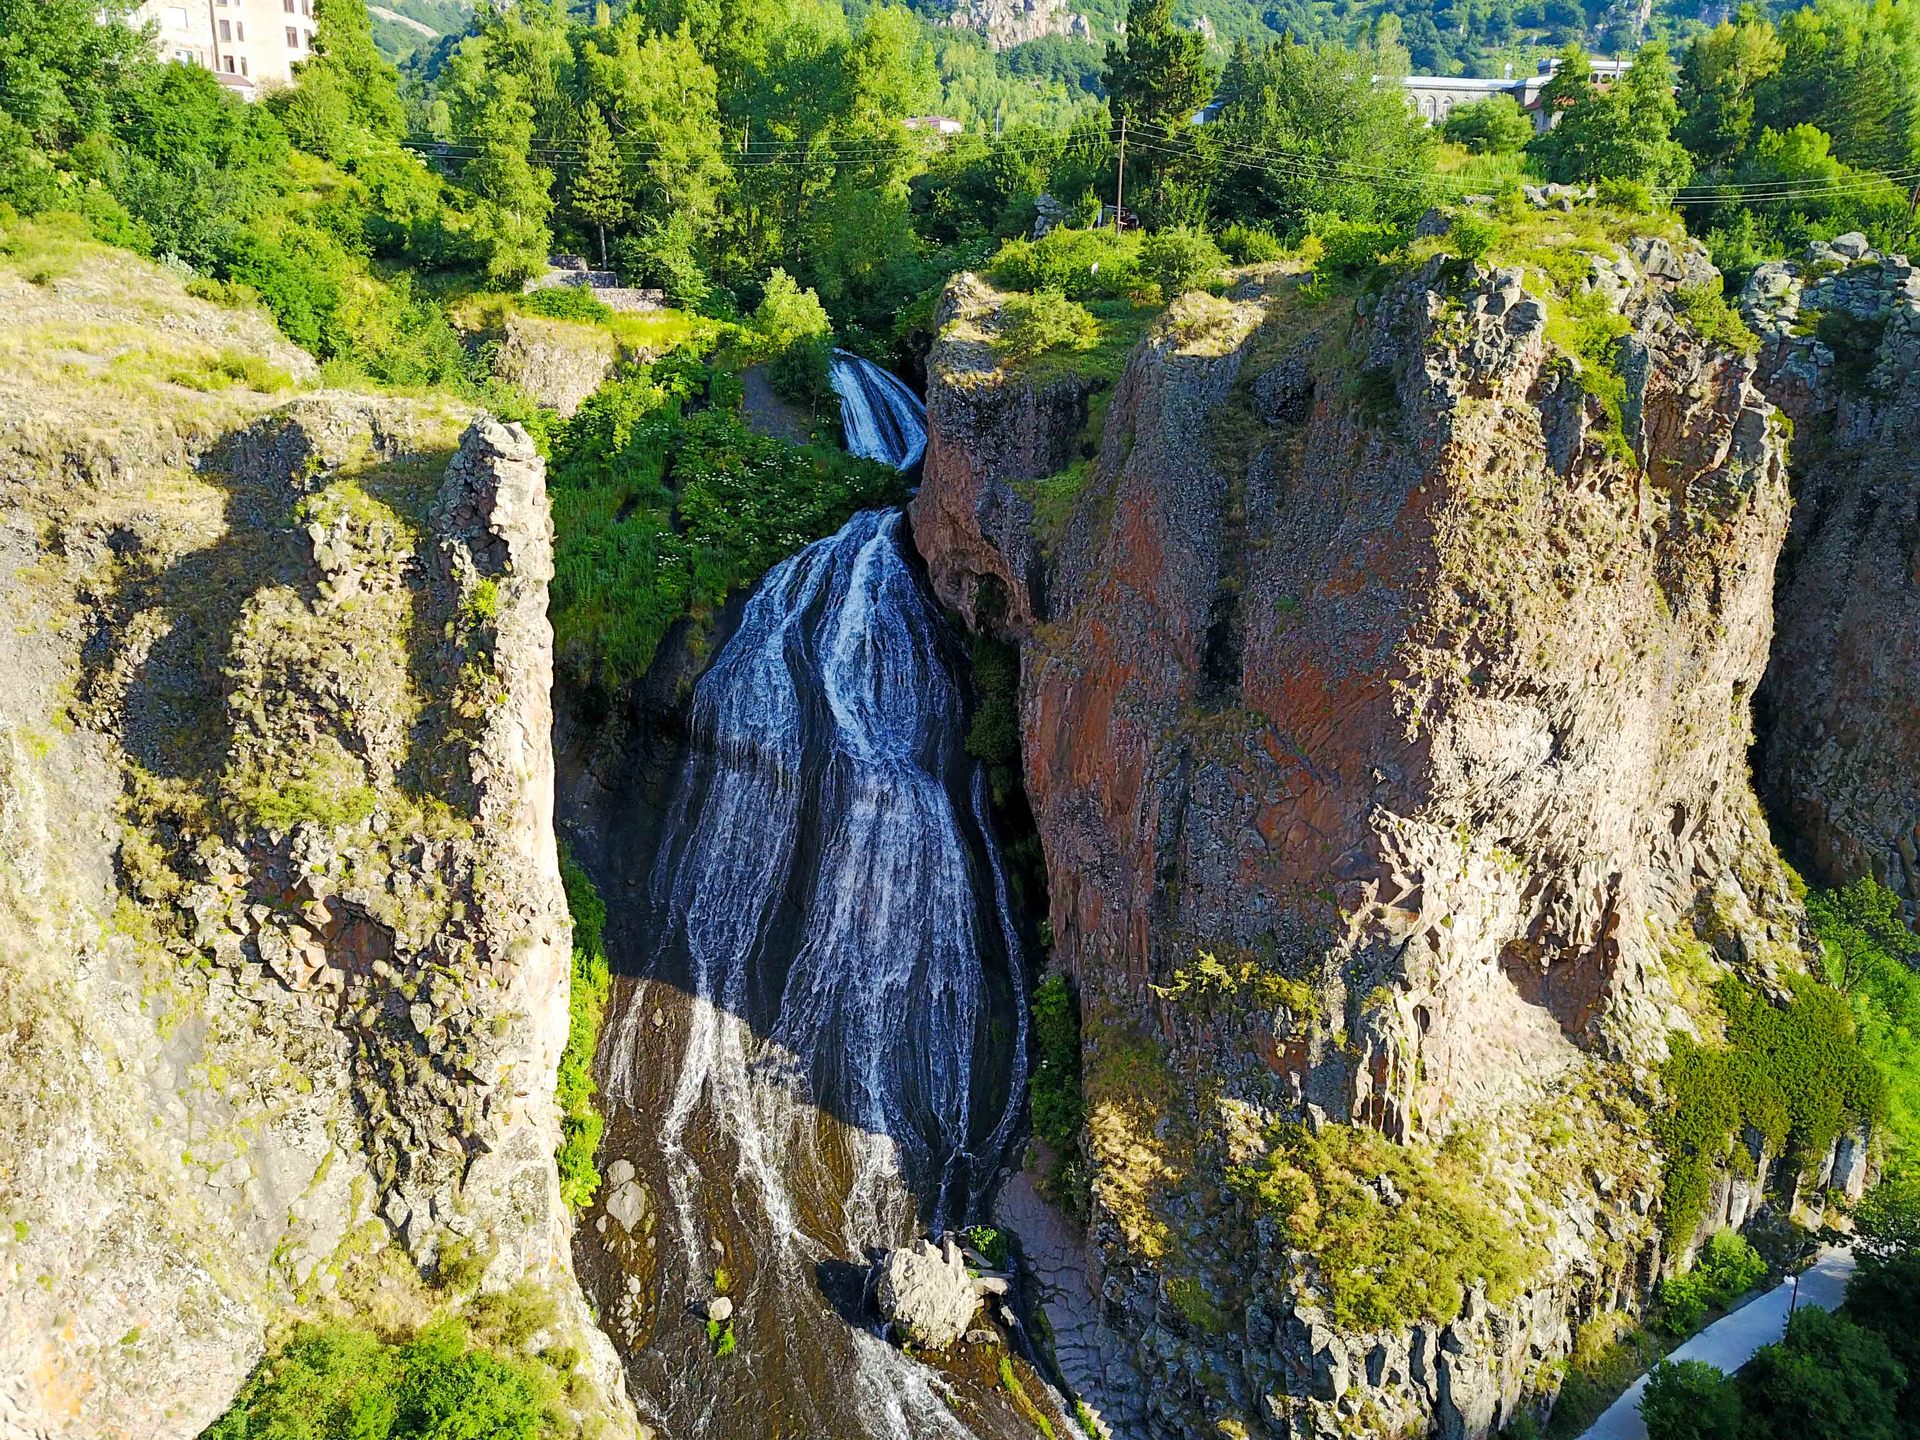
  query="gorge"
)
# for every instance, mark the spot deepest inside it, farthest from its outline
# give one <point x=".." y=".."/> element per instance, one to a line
<point x="1369" y="802"/>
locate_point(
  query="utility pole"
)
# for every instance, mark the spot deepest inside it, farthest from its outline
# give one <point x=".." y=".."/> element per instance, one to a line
<point x="1120" y="175"/>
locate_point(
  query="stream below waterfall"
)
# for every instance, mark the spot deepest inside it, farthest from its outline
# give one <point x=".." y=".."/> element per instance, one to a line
<point x="816" y="1043"/>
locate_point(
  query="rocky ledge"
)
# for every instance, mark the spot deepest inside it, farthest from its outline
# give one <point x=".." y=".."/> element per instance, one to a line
<point x="286" y="953"/>
<point x="1384" y="689"/>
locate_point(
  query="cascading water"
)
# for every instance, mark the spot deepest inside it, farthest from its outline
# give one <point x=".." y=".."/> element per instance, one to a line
<point x="881" y="418"/>
<point x="827" y="1050"/>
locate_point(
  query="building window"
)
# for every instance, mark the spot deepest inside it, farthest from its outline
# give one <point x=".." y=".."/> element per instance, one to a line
<point x="177" y="16"/>
<point x="293" y="38"/>
<point x="309" y="39"/>
<point x="306" y="8"/>
<point x="240" y="30"/>
<point x="230" y="66"/>
<point x="226" y="30"/>
<point x="287" y="5"/>
<point x="243" y="65"/>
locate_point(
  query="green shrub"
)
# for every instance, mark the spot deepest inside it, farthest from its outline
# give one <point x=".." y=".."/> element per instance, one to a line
<point x="1380" y="1263"/>
<point x="634" y="554"/>
<point x="1689" y="1400"/>
<point x="1059" y="1107"/>
<point x="796" y="335"/>
<point x="1180" y="259"/>
<point x="1727" y="1268"/>
<point x="568" y="302"/>
<point x="1796" y="1073"/>
<point x="992" y="1245"/>
<point x="993" y="735"/>
<point x="1251" y="244"/>
<point x="580" y="1120"/>
<point x="1829" y="1379"/>
<point x="340" y="1382"/>
<point x="1031" y="325"/>
<point x="1079" y="264"/>
<point x="1353" y="252"/>
<point x="1494" y="126"/>
<point x="1471" y="235"/>
<point x="1633" y="196"/>
<point x="1714" y="320"/>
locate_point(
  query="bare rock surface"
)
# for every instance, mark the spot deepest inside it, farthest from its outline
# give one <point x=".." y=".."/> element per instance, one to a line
<point x="284" y="953"/>
<point x="1385" y="713"/>
<point x="926" y="1295"/>
<point x="557" y="362"/>
<point x="1839" y="712"/>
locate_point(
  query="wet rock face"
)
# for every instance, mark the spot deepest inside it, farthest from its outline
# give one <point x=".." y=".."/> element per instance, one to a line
<point x="287" y="951"/>
<point x="1368" y="657"/>
<point x="1839" y="713"/>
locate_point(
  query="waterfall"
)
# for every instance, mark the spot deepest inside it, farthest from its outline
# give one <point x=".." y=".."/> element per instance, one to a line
<point x="881" y="417"/>
<point x="846" y="1057"/>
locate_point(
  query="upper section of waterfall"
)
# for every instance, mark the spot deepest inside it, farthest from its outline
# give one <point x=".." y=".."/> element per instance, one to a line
<point x="882" y="418"/>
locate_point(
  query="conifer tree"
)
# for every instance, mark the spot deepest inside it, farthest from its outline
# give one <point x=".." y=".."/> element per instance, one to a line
<point x="597" y="193"/>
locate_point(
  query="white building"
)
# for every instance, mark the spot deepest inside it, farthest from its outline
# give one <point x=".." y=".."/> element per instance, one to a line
<point x="252" y="45"/>
<point x="1434" y="97"/>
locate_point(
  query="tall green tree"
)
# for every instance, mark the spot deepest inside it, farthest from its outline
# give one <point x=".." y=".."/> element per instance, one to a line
<point x="346" y="99"/>
<point x="1851" y="68"/>
<point x="1156" y="79"/>
<point x="596" y="191"/>
<point x="1619" y="132"/>
<point x="62" y="62"/>
<point x="1719" y="77"/>
<point x="1308" y="131"/>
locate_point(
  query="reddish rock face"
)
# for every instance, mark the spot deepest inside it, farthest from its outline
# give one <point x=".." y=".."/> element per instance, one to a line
<point x="1839" y="713"/>
<point x="1374" y="655"/>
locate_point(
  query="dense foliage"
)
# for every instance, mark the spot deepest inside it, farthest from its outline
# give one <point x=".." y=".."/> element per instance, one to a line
<point x="1874" y="959"/>
<point x="664" y="502"/>
<point x="1794" y="1073"/>
<point x="332" y="1381"/>
<point x="1727" y="1267"/>
<point x="580" y="1121"/>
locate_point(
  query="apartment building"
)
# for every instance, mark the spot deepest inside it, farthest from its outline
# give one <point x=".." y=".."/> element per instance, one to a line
<point x="252" y="45"/>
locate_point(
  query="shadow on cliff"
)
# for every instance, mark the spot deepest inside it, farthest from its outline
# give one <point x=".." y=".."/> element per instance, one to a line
<point x="165" y="654"/>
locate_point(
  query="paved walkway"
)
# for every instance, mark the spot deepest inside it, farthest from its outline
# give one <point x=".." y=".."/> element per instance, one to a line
<point x="1730" y="1341"/>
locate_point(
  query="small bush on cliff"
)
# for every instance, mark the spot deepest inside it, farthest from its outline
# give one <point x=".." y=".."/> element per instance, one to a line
<point x="1397" y="1232"/>
<point x="333" y="1381"/>
<point x="1031" y="325"/>
<point x="1714" y="320"/>
<point x="1079" y="264"/>
<point x="1181" y="259"/>
<point x="568" y="302"/>
<point x="1727" y="1268"/>
<point x="1058" y="1105"/>
<point x="993" y="737"/>
<point x="1794" y="1073"/>
<point x="580" y="1121"/>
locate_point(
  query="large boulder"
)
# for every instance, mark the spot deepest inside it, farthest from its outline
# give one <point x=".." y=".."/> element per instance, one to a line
<point x="926" y="1294"/>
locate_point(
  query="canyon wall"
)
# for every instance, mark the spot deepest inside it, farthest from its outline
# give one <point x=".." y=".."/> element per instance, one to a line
<point x="1839" y="711"/>
<point x="1385" y="707"/>
<point x="286" y="954"/>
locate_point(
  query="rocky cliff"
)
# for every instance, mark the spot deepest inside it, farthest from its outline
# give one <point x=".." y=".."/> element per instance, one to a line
<point x="1839" y="711"/>
<point x="1384" y="687"/>
<point x="285" y="947"/>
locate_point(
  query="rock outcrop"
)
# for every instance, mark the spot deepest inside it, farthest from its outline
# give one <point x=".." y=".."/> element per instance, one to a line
<point x="1839" y="712"/>
<point x="1385" y="699"/>
<point x="1006" y="23"/>
<point x="925" y="1294"/>
<point x="286" y="953"/>
<point x="559" y="363"/>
